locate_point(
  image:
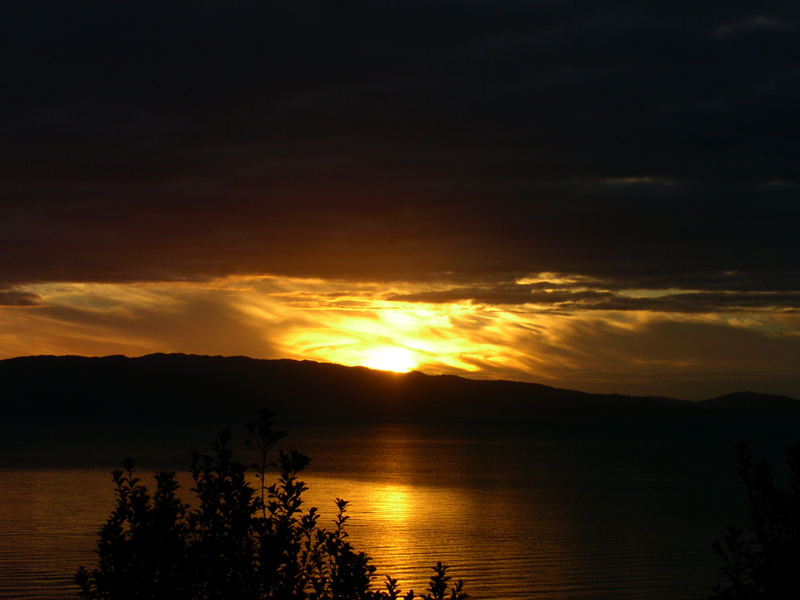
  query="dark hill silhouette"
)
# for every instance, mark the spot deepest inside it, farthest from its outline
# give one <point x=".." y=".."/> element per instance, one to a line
<point x="743" y="403"/>
<point x="177" y="386"/>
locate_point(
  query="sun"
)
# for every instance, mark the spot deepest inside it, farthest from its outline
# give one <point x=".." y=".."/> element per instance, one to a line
<point x="390" y="358"/>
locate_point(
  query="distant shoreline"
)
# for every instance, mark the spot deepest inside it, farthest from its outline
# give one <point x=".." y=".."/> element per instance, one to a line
<point x="187" y="387"/>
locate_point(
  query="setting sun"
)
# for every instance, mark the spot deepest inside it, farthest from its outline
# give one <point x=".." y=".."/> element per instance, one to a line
<point x="390" y="358"/>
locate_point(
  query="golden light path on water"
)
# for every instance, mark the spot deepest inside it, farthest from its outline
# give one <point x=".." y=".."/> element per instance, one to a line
<point x="516" y="518"/>
<point x="405" y="529"/>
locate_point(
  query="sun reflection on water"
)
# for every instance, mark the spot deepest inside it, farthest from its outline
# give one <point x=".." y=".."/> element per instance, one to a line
<point x="391" y="502"/>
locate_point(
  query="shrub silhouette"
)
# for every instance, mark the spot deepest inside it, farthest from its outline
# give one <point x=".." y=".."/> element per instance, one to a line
<point x="237" y="542"/>
<point x="764" y="561"/>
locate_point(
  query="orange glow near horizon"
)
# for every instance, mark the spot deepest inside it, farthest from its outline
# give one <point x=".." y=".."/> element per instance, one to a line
<point x="388" y="358"/>
<point x="406" y="336"/>
<point x="370" y="324"/>
<point x="347" y="323"/>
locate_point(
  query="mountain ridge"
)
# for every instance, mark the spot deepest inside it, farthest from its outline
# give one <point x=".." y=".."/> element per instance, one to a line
<point x="182" y="385"/>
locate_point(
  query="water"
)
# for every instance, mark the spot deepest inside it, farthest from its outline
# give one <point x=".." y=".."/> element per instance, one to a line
<point x="555" y="511"/>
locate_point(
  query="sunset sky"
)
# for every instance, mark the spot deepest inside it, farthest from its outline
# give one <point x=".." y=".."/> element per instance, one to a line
<point x="602" y="196"/>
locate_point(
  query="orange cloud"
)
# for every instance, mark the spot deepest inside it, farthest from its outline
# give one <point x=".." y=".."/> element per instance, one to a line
<point x="638" y="352"/>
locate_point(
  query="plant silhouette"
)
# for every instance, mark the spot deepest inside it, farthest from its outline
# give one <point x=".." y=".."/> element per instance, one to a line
<point x="237" y="542"/>
<point x="763" y="562"/>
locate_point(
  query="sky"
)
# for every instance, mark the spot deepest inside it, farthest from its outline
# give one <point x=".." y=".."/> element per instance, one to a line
<point x="601" y="196"/>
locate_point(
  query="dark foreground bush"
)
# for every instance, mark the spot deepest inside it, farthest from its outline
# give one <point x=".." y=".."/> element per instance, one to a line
<point x="237" y="542"/>
<point x="763" y="561"/>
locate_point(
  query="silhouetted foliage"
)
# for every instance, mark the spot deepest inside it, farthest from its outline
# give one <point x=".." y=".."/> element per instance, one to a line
<point x="237" y="542"/>
<point x="763" y="561"/>
<point x="437" y="587"/>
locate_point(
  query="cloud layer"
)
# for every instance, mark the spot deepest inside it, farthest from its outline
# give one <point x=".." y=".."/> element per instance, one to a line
<point x="587" y="194"/>
<point x="685" y="354"/>
<point x="400" y="140"/>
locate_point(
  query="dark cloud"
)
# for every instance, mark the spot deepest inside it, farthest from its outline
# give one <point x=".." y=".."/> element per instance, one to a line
<point x="639" y="143"/>
<point x="508" y="294"/>
<point x="565" y="296"/>
<point x="11" y="297"/>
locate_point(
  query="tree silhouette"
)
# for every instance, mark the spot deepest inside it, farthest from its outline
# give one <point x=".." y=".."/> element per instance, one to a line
<point x="237" y="542"/>
<point x="763" y="561"/>
<point x="437" y="587"/>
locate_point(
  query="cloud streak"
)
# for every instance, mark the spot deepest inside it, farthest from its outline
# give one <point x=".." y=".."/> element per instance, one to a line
<point x="578" y="295"/>
<point x="686" y="354"/>
<point x="12" y="297"/>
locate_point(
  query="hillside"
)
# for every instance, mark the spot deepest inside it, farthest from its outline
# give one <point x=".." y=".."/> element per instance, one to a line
<point x="183" y="387"/>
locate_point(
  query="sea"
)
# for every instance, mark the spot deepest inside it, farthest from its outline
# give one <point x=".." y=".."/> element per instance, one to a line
<point x="571" y="509"/>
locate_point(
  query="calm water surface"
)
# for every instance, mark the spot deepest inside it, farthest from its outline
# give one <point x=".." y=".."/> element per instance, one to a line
<point x="556" y="513"/>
